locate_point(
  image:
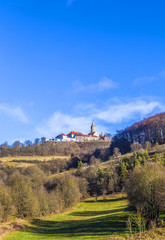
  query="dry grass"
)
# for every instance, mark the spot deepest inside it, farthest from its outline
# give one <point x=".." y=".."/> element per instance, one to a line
<point x="32" y="158"/>
<point x="20" y="161"/>
<point x="156" y="234"/>
<point x="6" y="228"/>
<point x="18" y="164"/>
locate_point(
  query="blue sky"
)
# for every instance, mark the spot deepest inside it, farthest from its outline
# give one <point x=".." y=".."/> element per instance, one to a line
<point x="66" y="63"/>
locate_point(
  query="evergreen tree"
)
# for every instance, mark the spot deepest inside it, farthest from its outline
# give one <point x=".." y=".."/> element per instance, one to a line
<point x="123" y="171"/>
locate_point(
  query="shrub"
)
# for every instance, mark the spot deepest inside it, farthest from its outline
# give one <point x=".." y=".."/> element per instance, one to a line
<point x="146" y="190"/>
<point x="24" y="200"/>
<point x="135" y="147"/>
<point x="116" y="152"/>
<point x="7" y="209"/>
<point x="67" y="188"/>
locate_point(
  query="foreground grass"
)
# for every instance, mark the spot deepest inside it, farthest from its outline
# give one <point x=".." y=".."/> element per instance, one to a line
<point x="88" y="220"/>
<point x="154" y="234"/>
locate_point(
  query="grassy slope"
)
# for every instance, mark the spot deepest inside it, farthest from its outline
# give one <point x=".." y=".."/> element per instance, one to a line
<point x="28" y="158"/>
<point x="88" y="220"/>
<point x="22" y="160"/>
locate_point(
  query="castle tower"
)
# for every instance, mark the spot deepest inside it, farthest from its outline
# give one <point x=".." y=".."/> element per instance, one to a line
<point x="93" y="128"/>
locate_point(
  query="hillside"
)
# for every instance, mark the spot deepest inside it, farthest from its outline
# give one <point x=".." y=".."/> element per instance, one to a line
<point x="54" y="184"/>
<point x="151" y="129"/>
<point x="88" y="220"/>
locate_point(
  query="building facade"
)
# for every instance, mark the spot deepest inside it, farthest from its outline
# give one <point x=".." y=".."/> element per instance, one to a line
<point x="80" y="137"/>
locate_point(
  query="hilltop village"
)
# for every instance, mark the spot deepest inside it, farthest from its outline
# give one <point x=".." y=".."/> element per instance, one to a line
<point x="80" y="137"/>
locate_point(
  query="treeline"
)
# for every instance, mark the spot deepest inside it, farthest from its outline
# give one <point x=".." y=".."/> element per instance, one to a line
<point x="51" y="148"/>
<point x="150" y="130"/>
<point x="112" y="178"/>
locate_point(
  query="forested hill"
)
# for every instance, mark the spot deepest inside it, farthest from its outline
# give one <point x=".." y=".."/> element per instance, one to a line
<point x="151" y="130"/>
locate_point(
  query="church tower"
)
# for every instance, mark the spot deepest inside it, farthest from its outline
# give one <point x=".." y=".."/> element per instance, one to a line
<point x="93" y="128"/>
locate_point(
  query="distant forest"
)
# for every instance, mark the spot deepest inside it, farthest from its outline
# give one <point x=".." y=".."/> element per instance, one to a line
<point x="150" y="130"/>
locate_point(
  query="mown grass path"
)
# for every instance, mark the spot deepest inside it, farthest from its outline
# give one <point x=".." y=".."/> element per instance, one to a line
<point x="88" y="220"/>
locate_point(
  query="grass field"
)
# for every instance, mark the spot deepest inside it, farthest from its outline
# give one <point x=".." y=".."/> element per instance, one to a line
<point x="88" y="220"/>
<point x="32" y="158"/>
<point x="24" y="161"/>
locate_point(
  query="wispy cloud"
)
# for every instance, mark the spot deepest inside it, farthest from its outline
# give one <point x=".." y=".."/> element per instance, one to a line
<point x="143" y="80"/>
<point x="103" y="85"/>
<point x="69" y="2"/>
<point x="133" y="110"/>
<point x="105" y="116"/>
<point x="148" y="79"/>
<point x="15" y="112"/>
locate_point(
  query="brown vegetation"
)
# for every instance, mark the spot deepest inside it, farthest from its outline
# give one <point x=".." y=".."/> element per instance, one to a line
<point x="52" y="149"/>
<point x="151" y="130"/>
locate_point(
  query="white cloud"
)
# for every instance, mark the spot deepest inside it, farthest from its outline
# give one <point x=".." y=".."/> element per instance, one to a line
<point x="104" y="84"/>
<point x="134" y="109"/>
<point x="104" y="117"/>
<point x="63" y="123"/>
<point x="15" y="112"/>
<point x="69" y="2"/>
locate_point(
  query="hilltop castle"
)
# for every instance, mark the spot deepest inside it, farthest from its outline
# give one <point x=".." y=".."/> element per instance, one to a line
<point x="79" y="137"/>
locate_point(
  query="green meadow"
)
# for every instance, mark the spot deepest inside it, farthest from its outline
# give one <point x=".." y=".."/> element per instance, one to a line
<point x="88" y="220"/>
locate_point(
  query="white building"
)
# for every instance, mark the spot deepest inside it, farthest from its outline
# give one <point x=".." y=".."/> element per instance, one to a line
<point x="61" y="137"/>
<point x="79" y="137"/>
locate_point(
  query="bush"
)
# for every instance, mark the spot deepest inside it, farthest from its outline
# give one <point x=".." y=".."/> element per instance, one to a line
<point x="24" y="200"/>
<point x="67" y="188"/>
<point x="116" y="153"/>
<point x="148" y="146"/>
<point x="146" y="190"/>
<point x="7" y="209"/>
<point x="135" y="147"/>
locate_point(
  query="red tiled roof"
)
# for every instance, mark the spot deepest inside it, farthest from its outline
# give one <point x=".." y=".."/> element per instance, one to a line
<point x="75" y="133"/>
